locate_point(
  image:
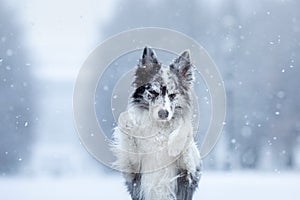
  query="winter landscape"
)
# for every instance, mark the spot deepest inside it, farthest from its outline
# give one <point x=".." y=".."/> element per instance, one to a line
<point x="216" y="186"/>
<point x="43" y="44"/>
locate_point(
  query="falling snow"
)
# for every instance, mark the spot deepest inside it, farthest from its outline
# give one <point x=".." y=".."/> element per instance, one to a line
<point x="105" y="88"/>
<point x="280" y="94"/>
<point x="256" y="50"/>
<point x="9" y="52"/>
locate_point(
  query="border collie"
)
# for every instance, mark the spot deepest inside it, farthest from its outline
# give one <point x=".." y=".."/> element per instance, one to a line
<point x="154" y="142"/>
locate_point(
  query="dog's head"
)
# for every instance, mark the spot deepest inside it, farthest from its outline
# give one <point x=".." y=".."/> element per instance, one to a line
<point x="163" y="90"/>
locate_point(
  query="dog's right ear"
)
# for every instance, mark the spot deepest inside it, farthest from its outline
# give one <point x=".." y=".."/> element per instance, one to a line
<point x="148" y="66"/>
<point x="148" y="57"/>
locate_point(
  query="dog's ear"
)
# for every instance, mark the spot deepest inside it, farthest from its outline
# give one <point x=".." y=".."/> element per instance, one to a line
<point x="148" y="57"/>
<point x="183" y="67"/>
<point x="148" y="66"/>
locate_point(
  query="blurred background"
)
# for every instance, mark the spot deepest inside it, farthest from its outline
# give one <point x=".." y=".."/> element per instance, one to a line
<point x="255" y="44"/>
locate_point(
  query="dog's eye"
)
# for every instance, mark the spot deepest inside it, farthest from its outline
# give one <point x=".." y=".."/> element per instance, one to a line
<point x="172" y="96"/>
<point x="153" y="93"/>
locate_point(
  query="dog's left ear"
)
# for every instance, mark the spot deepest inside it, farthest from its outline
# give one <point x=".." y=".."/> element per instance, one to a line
<point x="183" y="67"/>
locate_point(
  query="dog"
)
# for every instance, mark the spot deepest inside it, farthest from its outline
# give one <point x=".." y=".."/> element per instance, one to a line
<point x="154" y="141"/>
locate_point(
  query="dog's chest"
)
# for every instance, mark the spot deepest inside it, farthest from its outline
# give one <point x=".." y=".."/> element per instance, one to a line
<point x="156" y="139"/>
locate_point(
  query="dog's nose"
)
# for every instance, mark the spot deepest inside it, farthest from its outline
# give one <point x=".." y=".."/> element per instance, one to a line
<point x="163" y="114"/>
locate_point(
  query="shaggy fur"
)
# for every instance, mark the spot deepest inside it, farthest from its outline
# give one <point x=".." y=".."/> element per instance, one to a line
<point x="154" y="142"/>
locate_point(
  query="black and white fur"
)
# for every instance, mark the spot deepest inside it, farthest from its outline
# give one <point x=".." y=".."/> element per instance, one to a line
<point x="154" y="142"/>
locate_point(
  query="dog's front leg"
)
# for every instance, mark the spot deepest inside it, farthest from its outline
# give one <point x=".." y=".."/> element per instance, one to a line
<point x="187" y="183"/>
<point x="189" y="172"/>
<point x="133" y="183"/>
<point x="178" y="139"/>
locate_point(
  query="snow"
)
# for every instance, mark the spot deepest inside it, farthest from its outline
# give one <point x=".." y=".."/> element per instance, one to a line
<point x="213" y="186"/>
<point x="89" y="188"/>
<point x="249" y="186"/>
<point x="9" y="52"/>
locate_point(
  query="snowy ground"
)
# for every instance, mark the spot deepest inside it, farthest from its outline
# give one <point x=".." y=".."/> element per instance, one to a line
<point x="213" y="186"/>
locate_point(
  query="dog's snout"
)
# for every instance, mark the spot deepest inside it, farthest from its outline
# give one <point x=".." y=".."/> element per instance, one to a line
<point x="163" y="114"/>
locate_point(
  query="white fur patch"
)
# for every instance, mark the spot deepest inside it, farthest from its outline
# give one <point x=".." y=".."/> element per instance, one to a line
<point x="146" y="146"/>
